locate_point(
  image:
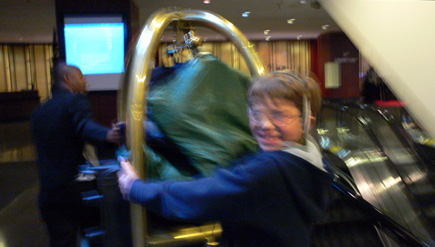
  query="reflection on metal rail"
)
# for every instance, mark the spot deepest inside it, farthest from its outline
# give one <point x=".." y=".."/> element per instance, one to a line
<point x="135" y="88"/>
<point x="206" y="233"/>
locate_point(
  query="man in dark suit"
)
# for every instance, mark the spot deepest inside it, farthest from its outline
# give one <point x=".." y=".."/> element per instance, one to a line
<point x="60" y="129"/>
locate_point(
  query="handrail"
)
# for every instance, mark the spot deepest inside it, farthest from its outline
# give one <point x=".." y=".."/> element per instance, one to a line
<point x="386" y="221"/>
<point x="359" y="118"/>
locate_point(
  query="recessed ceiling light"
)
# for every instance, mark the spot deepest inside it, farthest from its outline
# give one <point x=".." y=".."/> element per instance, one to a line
<point x="266" y="32"/>
<point x="324" y="27"/>
<point x="268" y="38"/>
<point x="303" y="1"/>
<point x="299" y="37"/>
<point x="290" y="21"/>
<point x="246" y="14"/>
<point x="206" y="1"/>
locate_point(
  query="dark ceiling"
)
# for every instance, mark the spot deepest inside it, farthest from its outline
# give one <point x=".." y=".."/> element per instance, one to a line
<point x="33" y="21"/>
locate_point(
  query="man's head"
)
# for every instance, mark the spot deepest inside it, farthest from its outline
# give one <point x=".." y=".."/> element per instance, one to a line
<point x="277" y="108"/>
<point x="70" y="78"/>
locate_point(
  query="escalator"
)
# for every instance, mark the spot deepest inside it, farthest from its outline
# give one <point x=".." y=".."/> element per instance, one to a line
<point x="388" y="176"/>
<point x="416" y="169"/>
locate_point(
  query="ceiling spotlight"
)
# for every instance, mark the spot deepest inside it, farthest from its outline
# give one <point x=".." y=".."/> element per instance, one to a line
<point x="266" y="32"/>
<point x="268" y="38"/>
<point x="324" y="27"/>
<point x="206" y="1"/>
<point x="299" y="37"/>
<point x="290" y="21"/>
<point x="246" y="14"/>
<point x="303" y="1"/>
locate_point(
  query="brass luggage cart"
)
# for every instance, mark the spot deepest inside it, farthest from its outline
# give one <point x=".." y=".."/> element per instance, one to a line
<point x="132" y="109"/>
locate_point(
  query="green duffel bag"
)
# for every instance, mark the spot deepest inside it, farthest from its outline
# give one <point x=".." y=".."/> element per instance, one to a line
<point x="202" y="108"/>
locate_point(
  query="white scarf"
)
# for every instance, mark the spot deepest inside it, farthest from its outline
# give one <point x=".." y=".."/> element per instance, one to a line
<point x="309" y="152"/>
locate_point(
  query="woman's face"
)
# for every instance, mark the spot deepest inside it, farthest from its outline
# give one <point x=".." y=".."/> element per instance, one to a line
<point x="275" y="122"/>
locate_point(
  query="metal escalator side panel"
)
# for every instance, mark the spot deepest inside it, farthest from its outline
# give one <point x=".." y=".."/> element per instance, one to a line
<point x="351" y="139"/>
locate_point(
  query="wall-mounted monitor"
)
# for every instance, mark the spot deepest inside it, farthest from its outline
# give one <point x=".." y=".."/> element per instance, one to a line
<point x="97" y="46"/>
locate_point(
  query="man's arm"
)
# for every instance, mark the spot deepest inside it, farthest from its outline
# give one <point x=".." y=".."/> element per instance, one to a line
<point x="84" y="124"/>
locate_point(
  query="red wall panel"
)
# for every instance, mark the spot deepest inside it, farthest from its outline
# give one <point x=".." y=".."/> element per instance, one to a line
<point x="337" y="47"/>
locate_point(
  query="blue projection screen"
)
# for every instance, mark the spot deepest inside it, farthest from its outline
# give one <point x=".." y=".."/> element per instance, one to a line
<point x="96" y="46"/>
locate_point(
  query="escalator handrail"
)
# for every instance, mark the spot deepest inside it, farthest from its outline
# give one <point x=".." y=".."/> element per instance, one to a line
<point x="358" y="117"/>
<point x="388" y="118"/>
<point x="379" y="146"/>
<point x="383" y="115"/>
<point x="385" y="221"/>
<point x="394" y="124"/>
<point x="339" y="175"/>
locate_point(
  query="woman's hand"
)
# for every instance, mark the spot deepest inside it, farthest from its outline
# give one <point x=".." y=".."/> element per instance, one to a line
<point x="126" y="177"/>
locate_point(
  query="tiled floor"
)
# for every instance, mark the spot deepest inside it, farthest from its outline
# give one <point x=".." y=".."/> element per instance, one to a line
<point x="20" y="222"/>
<point x="16" y="142"/>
